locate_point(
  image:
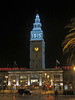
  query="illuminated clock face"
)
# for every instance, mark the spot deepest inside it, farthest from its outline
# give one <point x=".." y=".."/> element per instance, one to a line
<point x="36" y="48"/>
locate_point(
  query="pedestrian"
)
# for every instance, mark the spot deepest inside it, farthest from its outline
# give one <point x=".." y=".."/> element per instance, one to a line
<point x="56" y="94"/>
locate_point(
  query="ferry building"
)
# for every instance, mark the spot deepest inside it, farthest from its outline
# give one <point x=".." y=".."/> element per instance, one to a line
<point x="37" y="76"/>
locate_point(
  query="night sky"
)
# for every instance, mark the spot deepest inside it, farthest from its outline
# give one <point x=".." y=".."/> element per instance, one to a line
<point x="17" y="18"/>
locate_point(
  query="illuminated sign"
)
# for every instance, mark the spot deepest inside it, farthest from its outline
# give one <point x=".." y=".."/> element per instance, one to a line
<point x="16" y="68"/>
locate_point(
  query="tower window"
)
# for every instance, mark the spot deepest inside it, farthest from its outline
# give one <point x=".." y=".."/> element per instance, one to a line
<point x="36" y="66"/>
<point x="34" y="26"/>
<point x="33" y="60"/>
<point x="38" y="25"/>
<point x="39" y="60"/>
<point x="36" y="55"/>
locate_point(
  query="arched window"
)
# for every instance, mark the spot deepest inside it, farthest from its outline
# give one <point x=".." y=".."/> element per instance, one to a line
<point x="23" y="77"/>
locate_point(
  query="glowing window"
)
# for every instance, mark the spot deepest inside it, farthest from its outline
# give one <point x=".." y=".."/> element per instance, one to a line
<point x="23" y="77"/>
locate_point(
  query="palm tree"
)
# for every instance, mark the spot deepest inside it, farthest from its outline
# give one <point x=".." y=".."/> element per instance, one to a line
<point x="69" y="43"/>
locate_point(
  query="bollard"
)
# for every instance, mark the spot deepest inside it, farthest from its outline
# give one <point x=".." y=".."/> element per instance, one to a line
<point x="15" y="95"/>
<point x="40" y="94"/>
<point x="23" y="94"/>
<point x="31" y="96"/>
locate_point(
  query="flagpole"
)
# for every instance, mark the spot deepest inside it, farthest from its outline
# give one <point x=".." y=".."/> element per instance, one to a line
<point x="14" y="64"/>
<point x="56" y="63"/>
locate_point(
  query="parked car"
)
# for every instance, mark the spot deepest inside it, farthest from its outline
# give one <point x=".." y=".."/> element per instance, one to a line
<point x="21" y="91"/>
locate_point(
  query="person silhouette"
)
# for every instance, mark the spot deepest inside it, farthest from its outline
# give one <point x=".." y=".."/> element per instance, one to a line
<point x="56" y="94"/>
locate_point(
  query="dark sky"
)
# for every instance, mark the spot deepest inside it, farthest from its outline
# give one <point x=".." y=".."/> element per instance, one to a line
<point x="17" y="18"/>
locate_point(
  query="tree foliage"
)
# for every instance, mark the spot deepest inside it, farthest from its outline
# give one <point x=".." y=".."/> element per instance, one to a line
<point x="69" y="43"/>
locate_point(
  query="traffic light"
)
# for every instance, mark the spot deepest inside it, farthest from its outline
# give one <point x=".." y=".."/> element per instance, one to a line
<point x="46" y="85"/>
<point x="33" y="86"/>
<point x="50" y="87"/>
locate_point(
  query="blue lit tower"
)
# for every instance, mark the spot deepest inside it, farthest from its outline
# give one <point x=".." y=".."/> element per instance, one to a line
<point x="37" y="46"/>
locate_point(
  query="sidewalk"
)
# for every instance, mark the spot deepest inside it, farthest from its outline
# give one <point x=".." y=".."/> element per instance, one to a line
<point x="37" y="92"/>
<point x="46" y="92"/>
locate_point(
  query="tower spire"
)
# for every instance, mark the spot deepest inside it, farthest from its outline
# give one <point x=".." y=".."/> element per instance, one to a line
<point x="37" y="33"/>
<point x="37" y="25"/>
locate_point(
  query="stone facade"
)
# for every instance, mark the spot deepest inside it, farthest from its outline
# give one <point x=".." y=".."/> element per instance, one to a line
<point x="36" y="78"/>
<point x="69" y="79"/>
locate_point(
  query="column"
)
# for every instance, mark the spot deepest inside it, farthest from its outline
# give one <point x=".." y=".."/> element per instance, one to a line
<point x="28" y="80"/>
<point x="61" y="82"/>
<point x="61" y="77"/>
<point x="40" y="80"/>
<point x="17" y="80"/>
<point x="51" y="79"/>
<point x="9" y="80"/>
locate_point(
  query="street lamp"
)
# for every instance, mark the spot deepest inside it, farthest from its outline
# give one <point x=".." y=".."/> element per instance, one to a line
<point x="74" y="68"/>
<point x="6" y="77"/>
<point x="51" y="82"/>
<point x="6" y="80"/>
<point x="45" y="74"/>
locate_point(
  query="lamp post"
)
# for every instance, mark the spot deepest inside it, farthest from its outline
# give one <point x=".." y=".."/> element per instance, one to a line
<point x="6" y="80"/>
<point x="74" y="68"/>
<point x="73" y="76"/>
<point x="48" y="76"/>
<point x="45" y="75"/>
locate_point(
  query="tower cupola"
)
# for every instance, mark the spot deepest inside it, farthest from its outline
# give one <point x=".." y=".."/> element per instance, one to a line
<point x="37" y="25"/>
<point x="36" y="33"/>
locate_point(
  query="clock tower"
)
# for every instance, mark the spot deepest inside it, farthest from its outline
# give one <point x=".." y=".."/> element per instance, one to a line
<point x="37" y="46"/>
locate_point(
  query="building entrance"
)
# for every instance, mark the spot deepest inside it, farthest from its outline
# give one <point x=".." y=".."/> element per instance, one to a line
<point x="23" y="81"/>
<point x="34" y="81"/>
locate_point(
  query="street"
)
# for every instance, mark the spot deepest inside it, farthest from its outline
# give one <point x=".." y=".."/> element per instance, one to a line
<point x="35" y="97"/>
